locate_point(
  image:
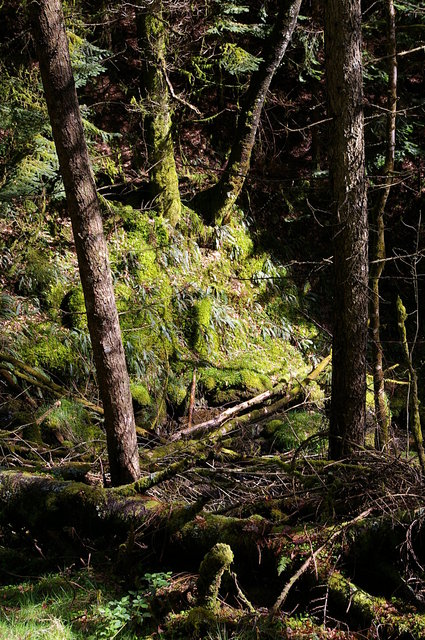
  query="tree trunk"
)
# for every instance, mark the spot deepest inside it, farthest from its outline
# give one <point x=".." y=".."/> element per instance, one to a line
<point x="62" y="103"/>
<point x="377" y="244"/>
<point x="414" y="417"/>
<point x="348" y="183"/>
<point x="216" y="203"/>
<point x="162" y="167"/>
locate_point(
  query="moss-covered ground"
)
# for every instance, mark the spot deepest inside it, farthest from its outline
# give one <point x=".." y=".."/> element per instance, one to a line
<point x="209" y="305"/>
<point x="190" y="297"/>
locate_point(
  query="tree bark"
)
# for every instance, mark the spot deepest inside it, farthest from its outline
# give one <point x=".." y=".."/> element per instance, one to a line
<point x="216" y="203"/>
<point x="377" y="244"/>
<point x="96" y="278"/>
<point x="348" y="183"/>
<point x="162" y="167"/>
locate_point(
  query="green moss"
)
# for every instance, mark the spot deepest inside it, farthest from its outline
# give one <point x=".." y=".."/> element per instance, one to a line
<point x="40" y="274"/>
<point x="124" y="297"/>
<point x="76" y="309"/>
<point x="238" y="243"/>
<point x="253" y="381"/>
<point x="215" y="563"/>
<point x="192" y="226"/>
<point x="136" y="221"/>
<point x="277" y="359"/>
<point x="225" y="384"/>
<point x="254" y="265"/>
<point x="140" y="394"/>
<point x="297" y="426"/>
<point x="274" y="426"/>
<point x="72" y="421"/>
<point x="205" y="339"/>
<point x="198" y="622"/>
<point x="177" y="391"/>
<point x="48" y="349"/>
<point x="54" y="297"/>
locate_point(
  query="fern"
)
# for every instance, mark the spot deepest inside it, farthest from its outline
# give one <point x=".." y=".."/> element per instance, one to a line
<point x="236" y="60"/>
<point x="35" y="172"/>
<point x="28" y="160"/>
<point x="284" y="563"/>
<point x="87" y="60"/>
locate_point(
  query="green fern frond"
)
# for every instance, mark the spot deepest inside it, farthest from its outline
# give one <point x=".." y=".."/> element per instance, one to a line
<point x="34" y="172"/>
<point x="88" y="61"/>
<point x="236" y="60"/>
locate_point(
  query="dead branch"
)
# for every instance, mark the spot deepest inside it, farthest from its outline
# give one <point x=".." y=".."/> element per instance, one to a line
<point x="312" y="558"/>
<point x="293" y="393"/>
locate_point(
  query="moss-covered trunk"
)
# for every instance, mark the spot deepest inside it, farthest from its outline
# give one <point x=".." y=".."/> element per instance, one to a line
<point x="414" y="417"/>
<point x="377" y="236"/>
<point x="163" y="178"/>
<point x="216" y="203"/>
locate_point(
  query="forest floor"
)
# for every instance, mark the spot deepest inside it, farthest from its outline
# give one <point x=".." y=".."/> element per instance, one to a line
<point x="290" y="544"/>
<point x="239" y="527"/>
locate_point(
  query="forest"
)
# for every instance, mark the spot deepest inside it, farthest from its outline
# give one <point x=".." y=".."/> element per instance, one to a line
<point x="212" y="341"/>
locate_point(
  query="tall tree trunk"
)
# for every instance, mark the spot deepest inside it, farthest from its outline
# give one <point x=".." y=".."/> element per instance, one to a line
<point x="163" y="178"/>
<point x="377" y="244"/>
<point x="414" y="417"/>
<point x="64" y="112"/>
<point x="216" y="203"/>
<point x="347" y="169"/>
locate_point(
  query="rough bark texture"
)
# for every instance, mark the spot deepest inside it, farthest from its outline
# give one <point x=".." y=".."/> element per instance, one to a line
<point x="59" y="87"/>
<point x="216" y="203"/>
<point x="347" y="168"/>
<point x="377" y="244"/>
<point x="162" y="168"/>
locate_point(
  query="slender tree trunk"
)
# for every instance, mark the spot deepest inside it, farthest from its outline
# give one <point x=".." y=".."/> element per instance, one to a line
<point x="53" y="54"/>
<point x="414" y="417"/>
<point x="162" y="167"/>
<point x="348" y="183"/>
<point x="377" y="244"/>
<point x="216" y="203"/>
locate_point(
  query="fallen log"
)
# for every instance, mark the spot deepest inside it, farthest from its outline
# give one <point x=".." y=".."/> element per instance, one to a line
<point x="194" y="430"/>
<point x="363" y="610"/>
<point x="42" y="503"/>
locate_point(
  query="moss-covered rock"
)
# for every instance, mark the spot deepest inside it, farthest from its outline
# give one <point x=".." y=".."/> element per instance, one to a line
<point x="71" y="421"/>
<point x="73" y="308"/>
<point x="295" y="428"/>
<point x="140" y="394"/>
<point x="228" y="384"/>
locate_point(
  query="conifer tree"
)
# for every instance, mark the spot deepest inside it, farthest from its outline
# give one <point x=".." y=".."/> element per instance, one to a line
<point x="53" y="53"/>
<point x="343" y="48"/>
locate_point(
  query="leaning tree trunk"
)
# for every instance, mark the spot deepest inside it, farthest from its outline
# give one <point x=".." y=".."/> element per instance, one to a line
<point x="216" y="203"/>
<point x="347" y="169"/>
<point x="163" y="178"/>
<point x="377" y="245"/>
<point x="62" y="103"/>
